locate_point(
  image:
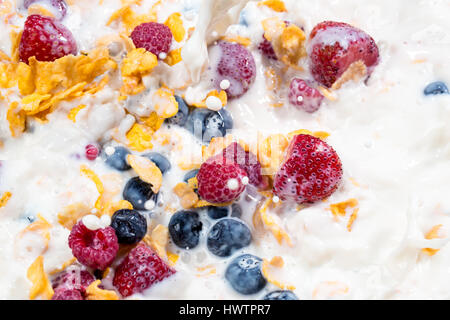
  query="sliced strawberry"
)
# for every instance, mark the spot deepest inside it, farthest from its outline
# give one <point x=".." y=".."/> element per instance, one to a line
<point x="334" y="46"/>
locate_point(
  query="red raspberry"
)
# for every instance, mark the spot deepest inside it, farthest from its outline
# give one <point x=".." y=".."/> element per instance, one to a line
<point x="311" y="171"/>
<point x="334" y="46"/>
<point x="246" y="160"/>
<point x="267" y="50"/>
<point x="73" y="279"/>
<point x="233" y="62"/>
<point x="220" y="181"/>
<point x="152" y="36"/>
<point x="140" y="269"/>
<point x="46" y="39"/>
<point x="95" y="249"/>
<point x="304" y="96"/>
<point x="67" y="294"/>
<point x="60" y="6"/>
<point x="91" y="152"/>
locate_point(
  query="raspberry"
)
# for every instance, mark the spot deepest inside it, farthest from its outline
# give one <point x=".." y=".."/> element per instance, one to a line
<point x="46" y="39"/>
<point x="152" y="36"/>
<point x="140" y="269"/>
<point x="304" y="96"/>
<point x="246" y="160"/>
<point x="73" y="279"/>
<point x="220" y="181"/>
<point x="95" y="249"/>
<point x="67" y="294"/>
<point x="60" y="6"/>
<point x="91" y="152"/>
<point x="311" y="171"/>
<point x="334" y="46"/>
<point x="233" y="62"/>
<point x="267" y="50"/>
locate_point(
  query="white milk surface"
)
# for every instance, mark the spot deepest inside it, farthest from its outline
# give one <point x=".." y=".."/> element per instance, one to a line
<point x="393" y="142"/>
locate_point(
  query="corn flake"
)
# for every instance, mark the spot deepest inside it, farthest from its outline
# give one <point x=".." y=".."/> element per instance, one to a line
<point x="275" y="5"/>
<point x="175" y="23"/>
<point x="16" y="119"/>
<point x="173" y="57"/>
<point x="70" y="215"/>
<point x="93" y="292"/>
<point x="267" y="266"/>
<point x="188" y="198"/>
<point x="140" y="137"/>
<point x="147" y="171"/>
<point x="41" y="285"/>
<point x="5" y="198"/>
<point x="432" y="234"/>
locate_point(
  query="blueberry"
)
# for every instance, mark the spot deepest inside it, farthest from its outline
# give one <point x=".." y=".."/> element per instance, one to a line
<point x="118" y="160"/>
<point x="244" y="274"/>
<point x="191" y="174"/>
<point x="130" y="226"/>
<point x="161" y="162"/>
<point x="227" y="236"/>
<point x="206" y="124"/>
<point x="280" y="295"/>
<point x="137" y="192"/>
<point x="184" y="229"/>
<point x="181" y="117"/>
<point x="217" y="212"/>
<point x="435" y="88"/>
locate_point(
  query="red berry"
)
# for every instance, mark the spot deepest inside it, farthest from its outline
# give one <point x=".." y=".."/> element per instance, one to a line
<point x="304" y="96"/>
<point x="140" y="269"/>
<point x="152" y="36"/>
<point x="311" y="171"/>
<point x="60" y="6"/>
<point x="233" y="62"/>
<point x="267" y="50"/>
<point x="334" y="46"/>
<point x="91" y="152"/>
<point x="246" y="161"/>
<point x="67" y="294"/>
<point x="73" y="279"/>
<point x="220" y="181"/>
<point x="95" y="249"/>
<point x="46" y="39"/>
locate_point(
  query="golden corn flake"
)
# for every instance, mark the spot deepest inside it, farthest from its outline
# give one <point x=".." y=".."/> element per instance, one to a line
<point x="111" y="207"/>
<point x="98" y="183"/>
<point x="140" y="137"/>
<point x="153" y="121"/>
<point x="165" y="104"/>
<point x="352" y="219"/>
<point x="175" y="23"/>
<point x="188" y="198"/>
<point x="40" y="284"/>
<point x="432" y="234"/>
<point x="158" y="240"/>
<point x="73" y="112"/>
<point x="131" y="19"/>
<point x="216" y="145"/>
<point x="222" y="95"/>
<point x="271" y="152"/>
<point x="270" y="223"/>
<point x="16" y="119"/>
<point x="7" y="75"/>
<point x="138" y="62"/>
<point x="70" y="215"/>
<point x="172" y="257"/>
<point x="147" y="171"/>
<point x="41" y="227"/>
<point x="356" y="71"/>
<point x="205" y="271"/>
<point x="266" y="269"/>
<point x="339" y="209"/>
<point x="238" y="39"/>
<point x="204" y="203"/>
<point x="173" y="57"/>
<point x="93" y="292"/>
<point x="5" y="198"/>
<point x="318" y="134"/>
<point x="275" y="5"/>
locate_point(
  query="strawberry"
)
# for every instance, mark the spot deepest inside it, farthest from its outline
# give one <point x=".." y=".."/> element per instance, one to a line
<point x="140" y="269"/>
<point x="334" y="46"/>
<point x="220" y="181"/>
<point x="311" y="171"/>
<point x="46" y="39"/>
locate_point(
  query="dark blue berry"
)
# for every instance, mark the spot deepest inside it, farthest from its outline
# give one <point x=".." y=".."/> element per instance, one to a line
<point x="244" y="274"/>
<point x="184" y="229"/>
<point x="181" y="117"/>
<point x="130" y="226"/>
<point x="137" y="192"/>
<point x="217" y="212"/>
<point x="435" y="88"/>
<point x="206" y="124"/>
<point x="280" y="295"/>
<point x="227" y="236"/>
<point x="191" y="174"/>
<point x="161" y="162"/>
<point x="118" y="160"/>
